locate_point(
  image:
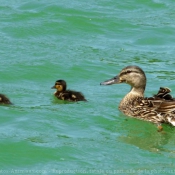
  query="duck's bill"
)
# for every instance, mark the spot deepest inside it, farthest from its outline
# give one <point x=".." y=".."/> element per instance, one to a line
<point x="53" y="87"/>
<point x="114" y="80"/>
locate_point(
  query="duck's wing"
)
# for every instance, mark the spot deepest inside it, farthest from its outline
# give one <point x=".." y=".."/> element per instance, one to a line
<point x="166" y="107"/>
<point x="77" y="96"/>
<point x="167" y="110"/>
<point x="159" y="105"/>
<point x="164" y="101"/>
<point x="70" y="95"/>
<point x="65" y="96"/>
<point x="158" y="110"/>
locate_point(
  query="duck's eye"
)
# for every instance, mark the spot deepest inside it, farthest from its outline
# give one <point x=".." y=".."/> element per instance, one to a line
<point x="128" y="71"/>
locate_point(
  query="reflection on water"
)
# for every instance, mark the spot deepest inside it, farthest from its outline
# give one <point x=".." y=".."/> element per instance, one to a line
<point x="145" y="136"/>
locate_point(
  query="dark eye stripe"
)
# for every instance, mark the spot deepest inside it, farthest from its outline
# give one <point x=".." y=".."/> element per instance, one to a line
<point x="127" y="72"/>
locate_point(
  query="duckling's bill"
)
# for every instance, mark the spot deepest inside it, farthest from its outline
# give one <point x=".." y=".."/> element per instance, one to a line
<point x="111" y="81"/>
<point x="53" y="87"/>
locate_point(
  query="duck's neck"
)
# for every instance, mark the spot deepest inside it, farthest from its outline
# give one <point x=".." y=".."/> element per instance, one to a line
<point x="137" y="91"/>
<point x="131" y="99"/>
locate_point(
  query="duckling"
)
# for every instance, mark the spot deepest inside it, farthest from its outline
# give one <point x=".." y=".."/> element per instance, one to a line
<point x="63" y="94"/>
<point x="4" y="99"/>
<point x="164" y="93"/>
<point x="157" y="109"/>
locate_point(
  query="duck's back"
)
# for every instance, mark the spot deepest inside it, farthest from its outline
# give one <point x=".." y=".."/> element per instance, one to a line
<point x="70" y="95"/>
<point x="76" y="96"/>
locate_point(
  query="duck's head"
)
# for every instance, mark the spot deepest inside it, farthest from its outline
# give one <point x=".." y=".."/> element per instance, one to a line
<point x="60" y="85"/>
<point x="132" y="75"/>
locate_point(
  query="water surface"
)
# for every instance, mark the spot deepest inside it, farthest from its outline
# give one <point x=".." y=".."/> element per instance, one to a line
<point x="85" y="43"/>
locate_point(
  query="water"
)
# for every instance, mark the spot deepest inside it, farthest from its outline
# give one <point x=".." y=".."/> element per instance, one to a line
<point x="85" y="43"/>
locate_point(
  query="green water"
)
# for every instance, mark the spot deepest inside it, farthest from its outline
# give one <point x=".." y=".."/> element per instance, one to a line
<point x="85" y="43"/>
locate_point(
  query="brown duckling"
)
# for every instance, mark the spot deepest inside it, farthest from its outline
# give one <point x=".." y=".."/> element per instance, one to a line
<point x="164" y="93"/>
<point x="4" y="99"/>
<point x="68" y="95"/>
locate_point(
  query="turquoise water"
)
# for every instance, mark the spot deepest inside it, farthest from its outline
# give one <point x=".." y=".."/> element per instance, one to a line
<point x="85" y="43"/>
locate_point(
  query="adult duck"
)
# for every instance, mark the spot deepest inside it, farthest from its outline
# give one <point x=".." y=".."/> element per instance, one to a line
<point x="157" y="109"/>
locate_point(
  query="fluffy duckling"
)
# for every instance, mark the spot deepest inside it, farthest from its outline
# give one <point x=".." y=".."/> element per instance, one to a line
<point x="63" y="94"/>
<point x="4" y="99"/>
<point x="158" y="109"/>
<point x="164" y="94"/>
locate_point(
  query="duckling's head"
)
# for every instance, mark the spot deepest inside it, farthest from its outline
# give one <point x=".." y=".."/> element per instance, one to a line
<point x="132" y="75"/>
<point x="60" y="85"/>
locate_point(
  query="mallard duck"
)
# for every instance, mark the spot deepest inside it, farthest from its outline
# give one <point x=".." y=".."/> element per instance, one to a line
<point x="157" y="109"/>
<point x="63" y="94"/>
<point x="4" y="99"/>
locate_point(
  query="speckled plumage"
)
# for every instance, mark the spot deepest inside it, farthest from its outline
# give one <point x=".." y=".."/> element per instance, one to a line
<point x="157" y="109"/>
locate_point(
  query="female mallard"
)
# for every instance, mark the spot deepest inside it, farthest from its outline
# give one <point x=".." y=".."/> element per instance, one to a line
<point x="4" y="99"/>
<point x="157" y="109"/>
<point x="68" y="95"/>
